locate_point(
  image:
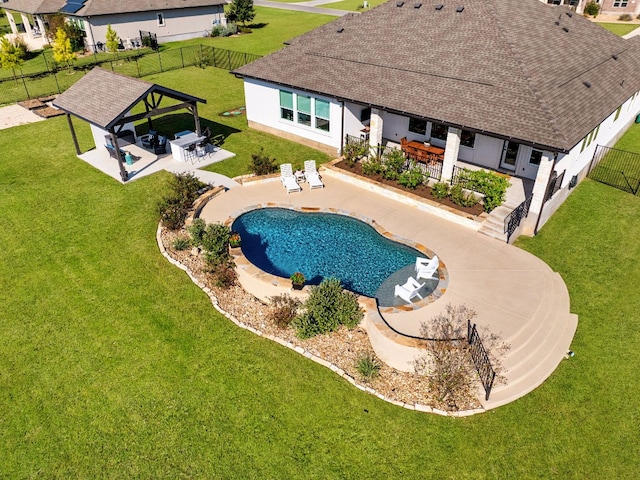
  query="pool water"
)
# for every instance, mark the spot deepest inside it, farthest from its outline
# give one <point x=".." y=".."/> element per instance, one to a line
<point x="321" y="245"/>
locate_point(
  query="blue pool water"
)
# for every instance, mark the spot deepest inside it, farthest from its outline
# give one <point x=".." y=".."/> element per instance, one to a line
<point x="321" y="245"/>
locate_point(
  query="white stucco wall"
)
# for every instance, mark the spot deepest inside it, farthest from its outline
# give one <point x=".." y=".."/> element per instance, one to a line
<point x="178" y="24"/>
<point x="263" y="107"/>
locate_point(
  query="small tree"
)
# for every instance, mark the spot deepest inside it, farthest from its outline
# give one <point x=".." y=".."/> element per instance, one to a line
<point x="113" y="41"/>
<point x="241" y="11"/>
<point x="592" y="8"/>
<point x="10" y="56"/>
<point x="62" y="51"/>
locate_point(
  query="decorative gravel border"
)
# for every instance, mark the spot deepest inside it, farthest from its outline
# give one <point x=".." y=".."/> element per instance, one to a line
<point x="409" y="406"/>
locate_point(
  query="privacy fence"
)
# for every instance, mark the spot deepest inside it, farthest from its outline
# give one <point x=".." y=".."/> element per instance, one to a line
<point x="54" y="79"/>
<point x="617" y="168"/>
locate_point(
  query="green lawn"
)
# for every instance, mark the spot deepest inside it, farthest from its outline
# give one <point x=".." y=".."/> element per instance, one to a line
<point x="353" y="5"/>
<point x="619" y="29"/>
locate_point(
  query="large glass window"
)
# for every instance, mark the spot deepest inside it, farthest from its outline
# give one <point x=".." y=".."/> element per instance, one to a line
<point x="620" y="3"/>
<point x="439" y="131"/>
<point x="286" y="105"/>
<point x="322" y="115"/>
<point x="304" y="110"/>
<point x="467" y="139"/>
<point x="536" y="157"/>
<point x="417" y="126"/>
<point x="365" y="114"/>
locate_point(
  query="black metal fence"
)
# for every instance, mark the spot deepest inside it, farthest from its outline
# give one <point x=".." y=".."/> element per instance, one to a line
<point x="616" y="168"/>
<point x="512" y="221"/>
<point x="480" y="359"/>
<point x="55" y="79"/>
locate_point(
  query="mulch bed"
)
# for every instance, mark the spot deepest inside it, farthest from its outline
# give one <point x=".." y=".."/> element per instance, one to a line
<point x="422" y="190"/>
<point x="342" y="348"/>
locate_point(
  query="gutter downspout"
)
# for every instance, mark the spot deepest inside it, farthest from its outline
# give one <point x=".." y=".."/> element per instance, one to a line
<point x="342" y="128"/>
<point x="553" y="168"/>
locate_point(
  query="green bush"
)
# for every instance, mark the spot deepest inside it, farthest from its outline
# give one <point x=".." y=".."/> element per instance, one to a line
<point x="284" y="309"/>
<point x="196" y="230"/>
<point x="373" y="166"/>
<point x="181" y="243"/>
<point x="393" y="164"/>
<point x="261" y="164"/>
<point x="352" y="152"/>
<point x="440" y="190"/>
<point x="186" y="187"/>
<point x="223" y="272"/>
<point x="625" y="17"/>
<point x="215" y="242"/>
<point x="327" y="307"/>
<point x="492" y="186"/>
<point x="368" y="367"/>
<point x="173" y="212"/>
<point x="462" y="198"/>
<point x="592" y="8"/>
<point x="412" y="178"/>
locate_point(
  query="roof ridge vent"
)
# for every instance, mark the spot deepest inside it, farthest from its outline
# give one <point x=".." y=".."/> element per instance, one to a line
<point x="399" y="3"/>
<point x="566" y="29"/>
<point x="460" y="9"/>
<point x="614" y="56"/>
<point x="340" y="30"/>
<point x="569" y="14"/>
<point x="587" y="84"/>
<point x="417" y="5"/>
<point x="439" y="6"/>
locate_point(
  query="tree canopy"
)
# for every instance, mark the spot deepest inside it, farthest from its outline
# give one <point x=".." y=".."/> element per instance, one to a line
<point x="241" y="11"/>
<point x="62" y="51"/>
<point x="113" y="41"/>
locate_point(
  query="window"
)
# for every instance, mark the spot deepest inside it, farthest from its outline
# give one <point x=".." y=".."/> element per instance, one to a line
<point x="536" y="157"/>
<point x="304" y="110"/>
<point x="365" y="114"/>
<point x="322" y="115"/>
<point x="617" y="113"/>
<point x="417" y="126"/>
<point x="286" y="105"/>
<point x="467" y="139"/>
<point x="620" y="3"/>
<point x="160" y="20"/>
<point x="439" y="131"/>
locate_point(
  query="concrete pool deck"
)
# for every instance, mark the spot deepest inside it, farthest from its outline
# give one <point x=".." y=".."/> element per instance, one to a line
<point x="515" y="294"/>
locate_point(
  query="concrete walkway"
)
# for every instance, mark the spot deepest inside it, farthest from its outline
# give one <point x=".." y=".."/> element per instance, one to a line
<point x="515" y="294"/>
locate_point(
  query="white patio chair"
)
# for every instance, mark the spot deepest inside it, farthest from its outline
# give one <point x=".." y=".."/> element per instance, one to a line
<point x="288" y="179"/>
<point x="311" y="174"/>
<point x="427" y="268"/>
<point x="409" y="290"/>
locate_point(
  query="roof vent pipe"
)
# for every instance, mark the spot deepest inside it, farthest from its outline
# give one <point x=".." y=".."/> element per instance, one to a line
<point x="399" y="4"/>
<point x="340" y="30"/>
<point x="460" y="9"/>
<point x="439" y="6"/>
<point x="566" y="29"/>
<point x="417" y="5"/>
<point x="587" y="84"/>
<point x="614" y="56"/>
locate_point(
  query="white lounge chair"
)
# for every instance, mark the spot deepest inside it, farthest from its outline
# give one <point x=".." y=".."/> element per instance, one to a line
<point x="427" y="268"/>
<point x="409" y="290"/>
<point x="311" y="174"/>
<point x="288" y="179"/>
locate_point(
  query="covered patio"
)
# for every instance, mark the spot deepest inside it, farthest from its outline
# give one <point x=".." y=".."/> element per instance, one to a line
<point x="112" y="103"/>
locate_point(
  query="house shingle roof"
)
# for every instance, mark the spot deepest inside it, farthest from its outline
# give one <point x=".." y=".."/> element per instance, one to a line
<point x="108" y="7"/>
<point x="510" y="68"/>
<point x="102" y="97"/>
<point x="34" y="6"/>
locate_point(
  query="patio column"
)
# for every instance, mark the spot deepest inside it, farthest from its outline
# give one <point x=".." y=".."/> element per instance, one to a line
<point x="123" y="173"/>
<point x="545" y="169"/>
<point x="196" y="118"/>
<point x="451" y="153"/>
<point x="40" y="24"/>
<point x="375" y="128"/>
<point x="27" y="25"/>
<point x="12" y="22"/>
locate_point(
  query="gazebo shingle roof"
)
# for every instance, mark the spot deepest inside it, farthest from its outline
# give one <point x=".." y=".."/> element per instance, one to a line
<point x="102" y="97"/>
<point x="510" y="68"/>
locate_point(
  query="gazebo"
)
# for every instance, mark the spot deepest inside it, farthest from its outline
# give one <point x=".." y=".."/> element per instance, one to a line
<point x="106" y="99"/>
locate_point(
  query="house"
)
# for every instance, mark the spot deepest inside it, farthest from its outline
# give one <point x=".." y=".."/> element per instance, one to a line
<point x="497" y="83"/>
<point x="34" y="19"/>
<point x="609" y="7"/>
<point x="166" y="20"/>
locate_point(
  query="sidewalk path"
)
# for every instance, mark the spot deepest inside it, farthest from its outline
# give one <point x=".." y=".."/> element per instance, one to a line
<point x="303" y="7"/>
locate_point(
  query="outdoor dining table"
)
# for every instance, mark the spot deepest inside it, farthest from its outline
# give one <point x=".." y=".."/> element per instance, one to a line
<point x="423" y="153"/>
<point x="180" y="145"/>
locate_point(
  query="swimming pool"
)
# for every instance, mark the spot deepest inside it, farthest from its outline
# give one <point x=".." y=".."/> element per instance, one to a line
<point x="321" y="245"/>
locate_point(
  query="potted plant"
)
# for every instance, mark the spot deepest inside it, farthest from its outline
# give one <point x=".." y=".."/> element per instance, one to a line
<point x="234" y="243"/>
<point x="297" y="280"/>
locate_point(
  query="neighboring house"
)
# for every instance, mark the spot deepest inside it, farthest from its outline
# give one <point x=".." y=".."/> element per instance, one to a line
<point x="169" y="20"/>
<point x="497" y="83"/>
<point x="610" y="7"/>
<point x="34" y="19"/>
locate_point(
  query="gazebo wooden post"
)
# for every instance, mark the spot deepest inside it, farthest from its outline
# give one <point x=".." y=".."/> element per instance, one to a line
<point x="73" y="134"/>
<point x="123" y="172"/>
<point x="196" y="118"/>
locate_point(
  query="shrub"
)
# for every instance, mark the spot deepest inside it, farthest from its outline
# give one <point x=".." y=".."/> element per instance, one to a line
<point x="181" y="243"/>
<point x="492" y="186"/>
<point x="297" y="278"/>
<point x="235" y="240"/>
<point x="440" y="190"/>
<point x="173" y="212"/>
<point x="196" y="230"/>
<point x="230" y="29"/>
<point x="352" y="152"/>
<point x="393" y="164"/>
<point x="592" y="8"/>
<point x="373" y="166"/>
<point x="327" y="307"/>
<point x="215" y="242"/>
<point x="186" y="187"/>
<point x="625" y="17"/>
<point x="261" y="164"/>
<point x="368" y="367"/>
<point x="224" y="273"/>
<point x="412" y="178"/>
<point x="284" y="309"/>
<point x="217" y="30"/>
<point x="462" y="198"/>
